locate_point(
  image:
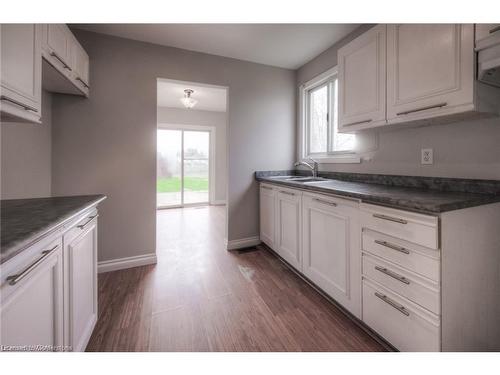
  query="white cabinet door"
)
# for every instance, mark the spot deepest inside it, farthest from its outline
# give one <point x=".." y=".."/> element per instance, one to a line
<point x="362" y="81"/>
<point x="331" y="248"/>
<point x="484" y="30"/>
<point x="21" y="71"/>
<point x="80" y="64"/>
<point x="288" y="226"/>
<point x="58" y="46"/>
<point x="430" y="70"/>
<point x="80" y="257"/>
<point x="267" y="216"/>
<point x="32" y="304"/>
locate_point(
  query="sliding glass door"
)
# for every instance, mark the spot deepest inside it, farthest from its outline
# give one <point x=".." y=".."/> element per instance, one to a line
<point x="183" y="167"/>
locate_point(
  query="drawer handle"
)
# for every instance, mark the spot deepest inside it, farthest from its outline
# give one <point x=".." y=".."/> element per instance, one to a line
<point x="14" y="279"/>
<point x="392" y="274"/>
<point x="82" y="81"/>
<point x="66" y="66"/>
<point x="495" y="29"/>
<point x="325" y="202"/>
<point x="392" y="246"/>
<point x="390" y="218"/>
<point x="82" y="226"/>
<point x="389" y="301"/>
<point x="421" y="109"/>
<point x="13" y="101"/>
<point x="287" y="192"/>
<point x="357" y="123"/>
<point x="266" y="187"/>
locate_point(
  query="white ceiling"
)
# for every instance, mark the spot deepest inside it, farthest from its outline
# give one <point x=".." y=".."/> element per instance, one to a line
<point x="209" y="98"/>
<point x="283" y="45"/>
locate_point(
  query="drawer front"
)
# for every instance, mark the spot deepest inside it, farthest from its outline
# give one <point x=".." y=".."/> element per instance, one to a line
<point x="26" y="264"/>
<point x="80" y="224"/>
<point x="408" y="226"/>
<point x="421" y="260"/>
<point x="409" y="285"/>
<point x="405" y="325"/>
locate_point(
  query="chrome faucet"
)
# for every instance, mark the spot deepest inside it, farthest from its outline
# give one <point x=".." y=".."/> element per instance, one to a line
<point x="312" y="165"/>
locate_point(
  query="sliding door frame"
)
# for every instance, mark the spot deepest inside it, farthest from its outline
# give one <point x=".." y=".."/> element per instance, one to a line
<point x="211" y="130"/>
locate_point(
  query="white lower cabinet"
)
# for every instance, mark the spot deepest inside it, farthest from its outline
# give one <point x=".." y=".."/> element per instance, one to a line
<point x="412" y="278"/>
<point x="288" y="226"/>
<point x="49" y="291"/>
<point x="330" y="248"/>
<point x="267" y="214"/>
<point x="80" y="257"/>
<point x="318" y="235"/>
<point x="32" y="300"/>
<point x="406" y="325"/>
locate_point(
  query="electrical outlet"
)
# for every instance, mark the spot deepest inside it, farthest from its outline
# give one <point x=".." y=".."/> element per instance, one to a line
<point x="427" y="156"/>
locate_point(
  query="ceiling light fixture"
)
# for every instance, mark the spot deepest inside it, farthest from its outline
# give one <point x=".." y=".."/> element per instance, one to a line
<point x="187" y="100"/>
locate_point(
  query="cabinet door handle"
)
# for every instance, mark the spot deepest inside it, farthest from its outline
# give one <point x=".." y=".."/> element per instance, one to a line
<point x="392" y="246"/>
<point x="13" y="101"/>
<point x="357" y="122"/>
<point x="325" y="202"/>
<point x="66" y="66"/>
<point x="392" y="274"/>
<point x="421" y="109"/>
<point x="14" y="279"/>
<point x="82" y="81"/>
<point x="82" y="226"/>
<point x="266" y="187"/>
<point x="390" y="218"/>
<point x="389" y="301"/>
<point x="495" y="29"/>
<point x="287" y="192"/>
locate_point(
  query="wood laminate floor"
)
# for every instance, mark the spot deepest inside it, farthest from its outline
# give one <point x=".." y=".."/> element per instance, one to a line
<point x="200" y="297"/>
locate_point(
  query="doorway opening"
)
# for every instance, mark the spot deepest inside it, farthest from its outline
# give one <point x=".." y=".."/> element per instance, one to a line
<point x="184" y="166"/>
<point x="191" y="144"/>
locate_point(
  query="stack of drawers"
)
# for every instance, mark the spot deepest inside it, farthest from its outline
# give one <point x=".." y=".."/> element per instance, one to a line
<point x="401" y="277"/>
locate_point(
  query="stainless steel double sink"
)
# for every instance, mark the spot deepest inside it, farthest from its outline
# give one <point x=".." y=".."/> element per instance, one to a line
<point x="298" y="179"/>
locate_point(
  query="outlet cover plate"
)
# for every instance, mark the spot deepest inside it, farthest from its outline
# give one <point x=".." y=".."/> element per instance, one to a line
<point x="427" y="156"/>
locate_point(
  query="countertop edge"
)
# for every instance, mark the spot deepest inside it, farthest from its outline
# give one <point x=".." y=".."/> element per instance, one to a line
<point x="38" y="236"/>
<point x="380" y="202"/>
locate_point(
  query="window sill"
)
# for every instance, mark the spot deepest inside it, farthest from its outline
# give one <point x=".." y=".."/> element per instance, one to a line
<point x="349" y="159"/>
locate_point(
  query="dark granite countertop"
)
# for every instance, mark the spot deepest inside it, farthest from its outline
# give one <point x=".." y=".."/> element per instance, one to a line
<point x="403" y="192"/>
<point x="24" y="221"/>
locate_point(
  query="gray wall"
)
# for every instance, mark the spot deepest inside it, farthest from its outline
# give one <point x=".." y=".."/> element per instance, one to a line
<point x="107" y="143"/>
<point x="26" y="156"/>
<point x="179" y="116"/>
<point x="468" y="149"/>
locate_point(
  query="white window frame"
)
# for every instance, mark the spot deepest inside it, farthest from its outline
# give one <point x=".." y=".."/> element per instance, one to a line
<point x="328" y="157"/>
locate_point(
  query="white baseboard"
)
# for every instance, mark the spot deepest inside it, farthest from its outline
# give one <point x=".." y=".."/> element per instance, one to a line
<point x="123" y="263"/>
<point x="218" y="203"/>
<point x="242" y="243"/>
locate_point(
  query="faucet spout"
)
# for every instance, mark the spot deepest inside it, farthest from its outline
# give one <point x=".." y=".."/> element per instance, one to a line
<point x="312" y="165"/>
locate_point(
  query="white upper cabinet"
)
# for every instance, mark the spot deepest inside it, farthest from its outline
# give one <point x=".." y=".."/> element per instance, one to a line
<point x="20" y="72"/>
<point x="80" y="64"/>
<point x="362" y="81"/>
<point x="430" y="70"/>
<point x="58" y="46"/>
<point x="331" y="250"/>
<point x="66" y="65"/>
<point x="288" y="226"/>
<point x="487" y="34"/>
<point x="413" y="74"/>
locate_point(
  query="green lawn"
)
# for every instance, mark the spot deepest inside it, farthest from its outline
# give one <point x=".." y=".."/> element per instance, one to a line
<point x="173" y="184"/>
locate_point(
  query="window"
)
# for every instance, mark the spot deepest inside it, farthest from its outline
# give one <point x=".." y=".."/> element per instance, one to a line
<point x="320" y="136"/>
